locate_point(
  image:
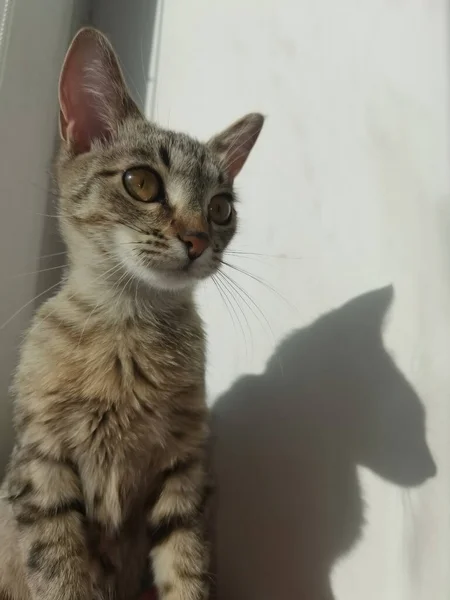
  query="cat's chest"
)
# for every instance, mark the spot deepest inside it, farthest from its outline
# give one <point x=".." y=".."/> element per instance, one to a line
<point x="128" y="426"/>
<point x="118" y="460"/>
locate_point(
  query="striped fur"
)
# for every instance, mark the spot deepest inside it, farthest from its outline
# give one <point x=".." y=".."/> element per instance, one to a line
<point x="108" y="471"/>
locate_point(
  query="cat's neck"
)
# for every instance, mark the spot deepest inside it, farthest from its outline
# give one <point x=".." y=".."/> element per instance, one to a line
<point x="119" y="297"/>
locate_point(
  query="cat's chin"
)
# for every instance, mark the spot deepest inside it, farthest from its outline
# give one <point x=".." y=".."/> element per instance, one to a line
<point x="169" y="280"/>
<point x="173" y="280"/>
<point x="183" y="275"/>
<point x="177" y="279"/>
<point x="165" y="279"/>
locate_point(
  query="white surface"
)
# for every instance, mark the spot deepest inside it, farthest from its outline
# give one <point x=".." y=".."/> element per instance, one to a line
<point x="349" y="183"/>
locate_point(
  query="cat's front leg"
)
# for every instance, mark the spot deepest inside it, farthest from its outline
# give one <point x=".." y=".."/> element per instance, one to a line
<point x="47" y="503"/>
<point x="180" y="554"/>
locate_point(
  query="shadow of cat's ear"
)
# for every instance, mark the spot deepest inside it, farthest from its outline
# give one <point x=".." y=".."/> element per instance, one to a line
<point x="93" y="96"/>
<point x="375" y="305"/>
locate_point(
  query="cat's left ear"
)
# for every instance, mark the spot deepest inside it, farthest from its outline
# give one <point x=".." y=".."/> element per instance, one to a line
<point x="93" y="96"/>
<point x="235" y="143"/>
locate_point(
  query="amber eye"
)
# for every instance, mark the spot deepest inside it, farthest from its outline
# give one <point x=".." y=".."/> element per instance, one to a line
<point x="220" y="209"/>
<point x="142" y="184"/>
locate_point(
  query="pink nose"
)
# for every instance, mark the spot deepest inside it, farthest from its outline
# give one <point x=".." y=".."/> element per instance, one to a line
<point x="196" y="243"/>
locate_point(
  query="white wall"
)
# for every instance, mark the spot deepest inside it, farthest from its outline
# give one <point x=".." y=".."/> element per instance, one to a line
<point x="347" y="192"/>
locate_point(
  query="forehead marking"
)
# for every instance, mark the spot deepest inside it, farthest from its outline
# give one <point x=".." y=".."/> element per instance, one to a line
<point x="164" y="155"/>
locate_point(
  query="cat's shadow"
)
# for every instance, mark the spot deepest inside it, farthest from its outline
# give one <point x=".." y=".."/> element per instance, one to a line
<point x="286" y="448"/>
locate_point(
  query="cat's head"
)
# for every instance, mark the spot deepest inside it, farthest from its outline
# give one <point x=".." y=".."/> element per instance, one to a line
<point x="159" y="204"/>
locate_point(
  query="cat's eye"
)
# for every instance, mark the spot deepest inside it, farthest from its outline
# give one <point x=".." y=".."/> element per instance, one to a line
<point x="142" y="184"/>
<point x="220" y="210"/>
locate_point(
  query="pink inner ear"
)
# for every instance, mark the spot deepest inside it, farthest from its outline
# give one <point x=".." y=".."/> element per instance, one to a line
<point x="235" y="143"/>
<point x="240" y="149"/>
<point x="88" y="84"/>
<point x="236" y="159"/>
<point x="80" y="128"/>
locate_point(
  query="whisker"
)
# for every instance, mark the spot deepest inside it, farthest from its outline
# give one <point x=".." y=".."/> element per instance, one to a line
<point x="146" y="252"/>
<point x="260" y="281"/>
<point x="51" y="255"/>
<point x="47" y="215"/>
<point x="273" y="339"/>
<point x="28" y="304"/>
<point x="86" y="322"/>
<point x="230" y="308"/>
<point x="240" y="290"/>
<point x="57" y="266"/>
<point x="245" y="254"/>
<point x="254" y="258"/>
<point x="136" y="293"/>
<point x="119" y="281"/>
<point x="95" y="308"/>
<point x="246" y="298"/>
<point x="40" y="271"/>
<point x="124" y="287"/>
<point x="101" y="276"/>
<point x="134" y="228"/>
<point x="133" y="242"/>
<point x="225" y="283"/>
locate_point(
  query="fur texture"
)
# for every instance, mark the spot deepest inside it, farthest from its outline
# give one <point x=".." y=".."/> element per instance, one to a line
<point x="108" y="470"/>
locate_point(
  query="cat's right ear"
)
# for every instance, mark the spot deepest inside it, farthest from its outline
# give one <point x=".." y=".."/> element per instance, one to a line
<point x="93" y="97"/>
<point x="234" y="145"/>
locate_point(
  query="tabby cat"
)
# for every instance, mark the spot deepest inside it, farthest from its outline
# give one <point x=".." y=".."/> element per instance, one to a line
<point x="108" y="471"/>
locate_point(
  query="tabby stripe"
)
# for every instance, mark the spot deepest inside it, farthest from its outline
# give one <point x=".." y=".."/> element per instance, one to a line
<point x="30" y="514"/>
<point x="47" y="558"/>
<point x="161" y="532"/>
<point x="158" y="234"/>
<point x="118" y="365"/>
<point x="94" y="219"/>
<point x="106" y="173"/>
<point x="34" y="453"/>
<point x="158" y="243"/>
<point x="191" y="414"/>
<point x="36" y="555"/>
<point x="139" y="373"/>
<point x="145" y="406"/>
<point x="164" y="155"/>
<point x="201" y="577"/>
<point x="86" y="188"/>
<point x="81" y="303"/>
<point x="168" y="587"/>
<point x="180" y="467"/>
<point x="25" y="491"/>
<point x="71" y="330"/>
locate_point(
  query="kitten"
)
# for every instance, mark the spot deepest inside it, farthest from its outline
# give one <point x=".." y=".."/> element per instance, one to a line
<point x="108" y="470"/>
